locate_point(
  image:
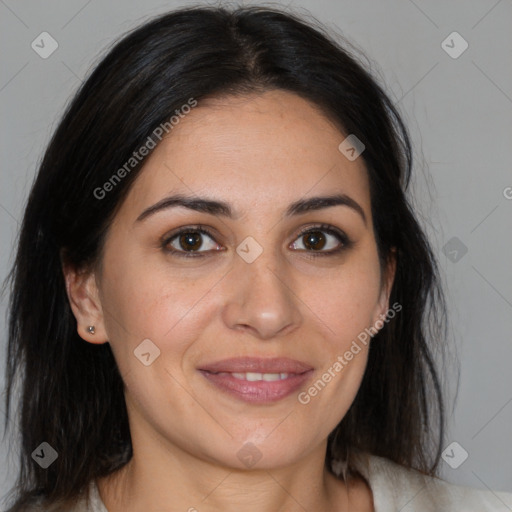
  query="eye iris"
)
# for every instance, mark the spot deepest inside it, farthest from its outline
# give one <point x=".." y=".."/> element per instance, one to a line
<point x="314" y="240"/>
<point x="190" y="241"/>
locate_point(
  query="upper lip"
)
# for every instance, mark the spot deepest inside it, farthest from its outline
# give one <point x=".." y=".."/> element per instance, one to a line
<point x="257" y="365"/>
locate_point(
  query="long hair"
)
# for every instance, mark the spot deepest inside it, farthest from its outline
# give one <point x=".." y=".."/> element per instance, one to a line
<point x="71" y="391"/>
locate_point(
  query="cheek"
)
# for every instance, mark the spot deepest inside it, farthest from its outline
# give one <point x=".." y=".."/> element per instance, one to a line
<point x="345" y="304"/>
<point x="143" y="302"/>
<point x="345" y="301"/>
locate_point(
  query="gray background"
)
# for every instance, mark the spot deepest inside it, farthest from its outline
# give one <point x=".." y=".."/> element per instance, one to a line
<point x="458" y="111"/>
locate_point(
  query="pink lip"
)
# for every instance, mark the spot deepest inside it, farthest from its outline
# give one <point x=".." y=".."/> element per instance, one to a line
<point x="257" y="365"/>
<point x="257" y="392"/>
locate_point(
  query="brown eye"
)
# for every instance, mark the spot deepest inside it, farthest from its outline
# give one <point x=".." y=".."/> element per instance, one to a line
<point x="323" y="240"/>
<point x="190" y="241"/>
<point x="314" y="240"/>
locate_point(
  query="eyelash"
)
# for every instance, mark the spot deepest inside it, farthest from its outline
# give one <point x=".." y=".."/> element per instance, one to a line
<point x="345" y="242"/>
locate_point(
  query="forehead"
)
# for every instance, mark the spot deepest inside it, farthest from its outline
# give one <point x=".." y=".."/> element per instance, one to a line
<point x="261" y="150"/>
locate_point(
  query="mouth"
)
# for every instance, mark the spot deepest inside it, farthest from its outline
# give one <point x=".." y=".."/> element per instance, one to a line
<point x="257" y="380"/>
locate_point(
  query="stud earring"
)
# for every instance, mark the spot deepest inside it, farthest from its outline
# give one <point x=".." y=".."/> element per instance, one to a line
<point x="91" y="329"/>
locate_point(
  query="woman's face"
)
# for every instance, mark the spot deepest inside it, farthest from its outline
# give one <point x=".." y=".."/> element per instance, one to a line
<point x="243" y="331"/>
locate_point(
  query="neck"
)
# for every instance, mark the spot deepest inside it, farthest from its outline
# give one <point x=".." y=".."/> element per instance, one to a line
<point x="160" y="476"/>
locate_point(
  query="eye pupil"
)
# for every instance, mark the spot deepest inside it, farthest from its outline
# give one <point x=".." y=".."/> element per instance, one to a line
<point x="190" y="241"/>
<point x="314" y="240"/>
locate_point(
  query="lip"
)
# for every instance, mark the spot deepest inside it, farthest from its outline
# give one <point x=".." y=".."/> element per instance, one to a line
<point x="257" y="365"/>
<point x="257" y="392"/>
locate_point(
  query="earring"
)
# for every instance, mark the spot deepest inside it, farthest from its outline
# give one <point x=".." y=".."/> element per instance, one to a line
<point x="91" y="329"/>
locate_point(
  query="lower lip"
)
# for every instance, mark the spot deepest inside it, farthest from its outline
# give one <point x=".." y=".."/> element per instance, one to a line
<point x="257" y="392"/>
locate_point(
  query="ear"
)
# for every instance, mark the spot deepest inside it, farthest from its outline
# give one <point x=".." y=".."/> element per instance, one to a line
<point x="84" y="298"/>
<point x="388" y="278"/>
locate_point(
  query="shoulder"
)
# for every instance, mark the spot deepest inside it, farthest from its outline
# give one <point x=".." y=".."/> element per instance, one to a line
<point x="395" y="487"/>
<point x="88" y="501"/>
<point x="80" y="506"/>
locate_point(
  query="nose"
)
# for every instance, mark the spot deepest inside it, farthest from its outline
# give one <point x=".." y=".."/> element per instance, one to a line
<point x="261" y="299"/>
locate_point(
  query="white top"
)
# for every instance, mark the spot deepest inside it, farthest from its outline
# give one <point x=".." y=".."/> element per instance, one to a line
<point x="397" y="488"/>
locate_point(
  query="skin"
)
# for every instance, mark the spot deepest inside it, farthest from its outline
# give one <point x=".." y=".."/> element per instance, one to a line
<point x="258" y="153"/>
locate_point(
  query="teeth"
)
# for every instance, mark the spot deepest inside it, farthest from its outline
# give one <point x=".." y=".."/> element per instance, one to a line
<point x="253" y="377"/>
<point x="240" y="376"/>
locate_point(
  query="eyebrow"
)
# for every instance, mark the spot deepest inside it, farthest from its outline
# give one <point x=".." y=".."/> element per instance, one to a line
<point x="223" y="209"/>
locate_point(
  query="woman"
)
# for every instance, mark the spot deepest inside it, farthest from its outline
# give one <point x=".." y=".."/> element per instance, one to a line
<point x="222" y="299"/>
